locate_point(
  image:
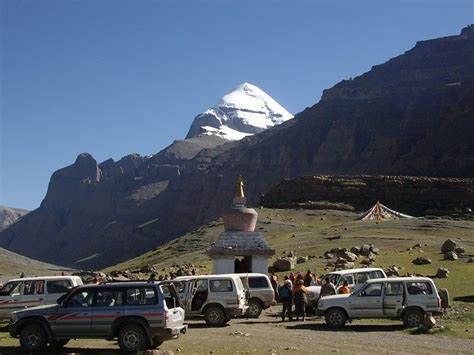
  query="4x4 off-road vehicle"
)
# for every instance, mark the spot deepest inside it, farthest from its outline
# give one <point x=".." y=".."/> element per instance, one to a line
<point x="217" y="298"/>
<point x="139" y="315"/>
<point x="405" y="298"/>
<point x="261" y="293"/>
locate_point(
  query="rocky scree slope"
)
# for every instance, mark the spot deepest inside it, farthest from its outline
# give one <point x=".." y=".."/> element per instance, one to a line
<point x="9" y="215"/>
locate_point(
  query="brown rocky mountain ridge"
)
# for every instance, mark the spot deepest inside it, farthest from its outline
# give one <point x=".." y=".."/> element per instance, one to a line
<point x="409" y="116"/>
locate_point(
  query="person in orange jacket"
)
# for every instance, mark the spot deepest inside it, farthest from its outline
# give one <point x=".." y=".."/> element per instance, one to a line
<point x="344" y="289"/>
<point x="299" y="299"/>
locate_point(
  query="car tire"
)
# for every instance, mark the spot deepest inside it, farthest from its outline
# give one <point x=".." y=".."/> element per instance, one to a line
<point x="154" y="344"/>
<point x="33" y="338"/>
<point x="412" y="318"/>
<point x="336" y="318"/>
<point x="132" y="338"/>
<point x="58" y="344"/>
<point x="255" y="309"/>
<point x="215" y="316"/>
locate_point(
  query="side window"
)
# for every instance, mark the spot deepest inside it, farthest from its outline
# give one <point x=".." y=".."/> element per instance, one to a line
<point x="258" y="282"/>
<point x="12" y="289"/>
<point x="171" y="298"/>
<point x="80" y="299"/>
<point x="58" y="286"/>
<point x="362" y="277"/>
<point x="141" y="296"/>
<point x="180" y="286"/>
<point x="419" y="288"/>
<point x="379" y="274"/>
<point x="108" y="298"/>
<point x="349" y="278"/>
<point x="221" y="285"/>
<point x="375" y="275"/>
<point x="372" y="290"/>
<point x="33" y="287"/>
<point x="393" y="289"/>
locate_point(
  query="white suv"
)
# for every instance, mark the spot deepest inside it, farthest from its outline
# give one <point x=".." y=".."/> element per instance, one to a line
<point x="216" y="297"/>
<point x="34" y="291"/>
<point x="353" y="277"/>
<point x="261" y="293"/>
<point x="405" y="298"/>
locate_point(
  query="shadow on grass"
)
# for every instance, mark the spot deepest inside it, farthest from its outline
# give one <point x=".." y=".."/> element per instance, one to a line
<point x="11" y="350"/>
<point x="464" y="298"/>
<point x="362" y="328"/>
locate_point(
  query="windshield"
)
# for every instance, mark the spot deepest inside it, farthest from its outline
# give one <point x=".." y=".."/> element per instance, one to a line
<point x="334" y="278"/>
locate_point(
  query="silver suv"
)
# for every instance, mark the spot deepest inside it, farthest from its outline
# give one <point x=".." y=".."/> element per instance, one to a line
<point x="140" y="315"/>
<point x="216" y="297"/>
<point x="261" y="293"/>
<point x="405" y="298"/>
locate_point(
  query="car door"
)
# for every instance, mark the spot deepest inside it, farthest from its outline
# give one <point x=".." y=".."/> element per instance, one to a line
<point x="393" y="299"/>
<point x="199" y="295"/>
<point x="73" y="317"/>
<point x="368" y="302"/>
<point x="350" y="281"/>
<point x="106" y="308"/>
<point x="33" y="293"/>
<point x="171" y="305"/>
<point x="10" y="298"/>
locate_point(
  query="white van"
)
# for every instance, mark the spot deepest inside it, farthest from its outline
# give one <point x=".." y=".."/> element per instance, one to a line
<point x="27" y="292"/>
<point x="216" y="297"/>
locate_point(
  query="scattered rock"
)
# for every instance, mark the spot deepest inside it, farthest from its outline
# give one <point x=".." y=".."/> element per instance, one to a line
<point x="301" y="259"/>
<point x="328" y="255"/>
<point x="392" y="271"/>
<point x="284" y="264"/>
<point x="442" y="273"/>
<point x="355" y="250"/>
<point x="460" y="250"/>
<point x="347" y="255"/>
<point x="343" y="264"/>
<point x="417" y="245"/>
<point x="450" y="255"/>
<point x="448" y="245"/>
<point x="422" y="260"/>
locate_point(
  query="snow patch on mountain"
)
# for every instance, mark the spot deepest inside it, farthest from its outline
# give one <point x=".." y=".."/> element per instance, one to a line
<point x="245" y="111"/>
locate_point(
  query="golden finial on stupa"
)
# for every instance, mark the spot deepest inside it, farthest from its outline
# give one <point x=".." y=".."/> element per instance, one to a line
<point x="239" y="192"/>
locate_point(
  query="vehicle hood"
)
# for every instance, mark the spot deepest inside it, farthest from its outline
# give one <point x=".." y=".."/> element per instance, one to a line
<point x="335" y="297"/>
<point x="37" y="310"/>
<point x="314" y="289"/>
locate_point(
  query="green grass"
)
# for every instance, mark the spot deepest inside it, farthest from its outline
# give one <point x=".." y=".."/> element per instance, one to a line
<point x="305" y="231"/>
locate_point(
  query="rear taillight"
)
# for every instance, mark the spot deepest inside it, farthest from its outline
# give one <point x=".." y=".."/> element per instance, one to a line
<point x="167" y="317"/>
<point x="238" y="299"/>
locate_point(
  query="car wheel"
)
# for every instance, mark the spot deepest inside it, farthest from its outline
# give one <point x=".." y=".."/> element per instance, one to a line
<point x="215" y="317"/>
<point x="336" y="318"/>
<point x="132" y="338"/>
<point x="154" y="344"/>
<point x="58" y="344"/>
<point x="255" y="309"/>
<point x="33" y="337"/>
<point x="412" y="318"/>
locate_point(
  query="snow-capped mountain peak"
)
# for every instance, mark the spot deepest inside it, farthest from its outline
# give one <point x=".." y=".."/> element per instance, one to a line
<point x="244" y="111"/>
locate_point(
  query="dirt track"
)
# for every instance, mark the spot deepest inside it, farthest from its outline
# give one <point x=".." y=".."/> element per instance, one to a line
<point x="268" y="335"/>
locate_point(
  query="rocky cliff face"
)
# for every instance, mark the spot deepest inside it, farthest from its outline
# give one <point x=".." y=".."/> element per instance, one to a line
<point x="9" y="216"/>
<point x="417" y="196"/>
<point x="409" y="116"/>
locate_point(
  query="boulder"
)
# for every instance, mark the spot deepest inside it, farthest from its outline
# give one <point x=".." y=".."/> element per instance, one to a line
<point x="448" y="245"/>
<point x="460" y="250"/>
<point x="392" y="271"/>
<point x="417" y="245"/>
<point x="343" y="264"/>
<point x="442" y="273"/>
<point x="367" y="262"/>
<point x="375" y="250"/>
<point x="422" y="260"/>
<point x="348" y="256"/>
<point x="365" y="249"/>
<point x="147" y="269"/>
<point x="450" y="255"/>
<point x="355" y="250"/>
<point x="328" y="255"/>
<point x="301" y="259"/>
<point x="284" y="264"/>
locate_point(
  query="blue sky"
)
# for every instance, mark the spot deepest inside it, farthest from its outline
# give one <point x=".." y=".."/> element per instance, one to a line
<point x="118" y="77"/>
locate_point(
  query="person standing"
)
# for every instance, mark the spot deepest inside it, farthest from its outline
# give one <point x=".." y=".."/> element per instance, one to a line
<point x="344" y="289"/>
<point x="327" y="288"/>
<point x="274" y="282"/>
<point x="299" y="296"/>
<point x="287" y="300"/>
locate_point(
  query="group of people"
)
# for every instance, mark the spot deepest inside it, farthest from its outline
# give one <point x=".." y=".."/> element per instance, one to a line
<point x="294" y="289"/>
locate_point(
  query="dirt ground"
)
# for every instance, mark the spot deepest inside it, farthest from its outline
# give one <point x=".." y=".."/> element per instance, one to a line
<point x="268" y="335"/>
